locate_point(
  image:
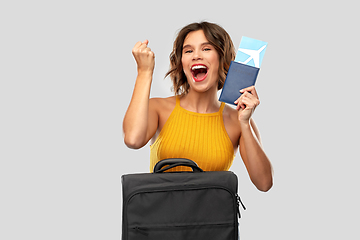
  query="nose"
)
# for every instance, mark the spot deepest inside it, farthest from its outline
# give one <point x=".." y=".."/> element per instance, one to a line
<point x="197" y="55"/>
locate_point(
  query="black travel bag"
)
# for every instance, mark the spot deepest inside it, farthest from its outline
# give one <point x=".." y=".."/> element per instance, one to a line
<point x="180" y="205"/>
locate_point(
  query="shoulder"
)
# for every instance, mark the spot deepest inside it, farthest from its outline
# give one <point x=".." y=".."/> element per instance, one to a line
<point x="165" y="100"/>
<point x="162" y="106"/>
<point x="230" y="114"/>
<point x="163" y="103"/>
<point x="231" y="123"/>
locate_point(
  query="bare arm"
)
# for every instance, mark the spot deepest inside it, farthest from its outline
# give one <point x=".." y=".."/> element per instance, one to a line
<point x="254" y="157"/>
<point x="257" y="163"/>
<point x="141" y="119"/>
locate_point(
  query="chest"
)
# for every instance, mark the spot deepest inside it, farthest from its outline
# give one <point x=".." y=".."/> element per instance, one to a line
<point x="211" y="130"/>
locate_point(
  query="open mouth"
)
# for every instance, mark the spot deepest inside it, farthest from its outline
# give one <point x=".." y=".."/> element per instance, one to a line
<point x="199" y="72"/>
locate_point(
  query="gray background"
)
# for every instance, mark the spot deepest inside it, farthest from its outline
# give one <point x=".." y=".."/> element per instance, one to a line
<point x="67" y="75"/>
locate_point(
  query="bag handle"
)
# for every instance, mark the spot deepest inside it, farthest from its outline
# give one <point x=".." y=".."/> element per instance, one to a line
<point x="174" y="162"/>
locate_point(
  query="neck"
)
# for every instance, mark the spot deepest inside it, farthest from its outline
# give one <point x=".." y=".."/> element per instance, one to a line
<point x="201" y="102"/>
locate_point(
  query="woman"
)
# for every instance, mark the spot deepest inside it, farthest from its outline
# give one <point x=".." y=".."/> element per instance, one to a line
<point x="193" y="124"/>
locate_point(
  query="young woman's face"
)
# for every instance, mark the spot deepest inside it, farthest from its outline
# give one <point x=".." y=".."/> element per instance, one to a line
<point x="200" y="61"/>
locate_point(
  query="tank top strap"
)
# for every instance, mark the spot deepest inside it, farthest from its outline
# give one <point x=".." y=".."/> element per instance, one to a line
<point x="177" y="100"/>
<point x="221" y="108"/>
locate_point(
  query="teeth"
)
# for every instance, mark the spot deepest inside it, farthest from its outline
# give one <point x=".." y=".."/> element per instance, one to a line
<point x="198" y="67"/>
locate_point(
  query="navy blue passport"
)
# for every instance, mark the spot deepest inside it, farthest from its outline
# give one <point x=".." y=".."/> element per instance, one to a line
<point x="238" y="77"/>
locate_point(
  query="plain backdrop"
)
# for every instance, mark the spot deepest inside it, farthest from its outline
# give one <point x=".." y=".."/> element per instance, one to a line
<point x="67" y="75"/>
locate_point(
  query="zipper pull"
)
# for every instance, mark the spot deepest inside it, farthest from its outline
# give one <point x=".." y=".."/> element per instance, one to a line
<point x="141" y="230"/>
<point x="238" y="202"/>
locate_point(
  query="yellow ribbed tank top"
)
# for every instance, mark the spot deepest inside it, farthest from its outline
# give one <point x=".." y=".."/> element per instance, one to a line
<point x="196" y="136"/>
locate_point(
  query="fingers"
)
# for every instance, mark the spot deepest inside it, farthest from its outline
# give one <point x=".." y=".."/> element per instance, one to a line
<point x="144" y="56"/>
<point x="142" y="47"/>
<point x="138" y="44"/>
<point x="251" y="90"/>
<point x="248" y="99"/>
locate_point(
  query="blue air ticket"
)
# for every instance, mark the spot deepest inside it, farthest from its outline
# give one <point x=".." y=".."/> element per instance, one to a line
<point x="251" y="52"/>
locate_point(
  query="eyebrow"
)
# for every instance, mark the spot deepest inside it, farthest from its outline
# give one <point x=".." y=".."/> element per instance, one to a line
<point x="205" y="43"/>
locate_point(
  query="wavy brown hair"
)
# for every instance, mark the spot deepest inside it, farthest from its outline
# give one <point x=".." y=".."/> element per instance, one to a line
<point x="217" y="37"/>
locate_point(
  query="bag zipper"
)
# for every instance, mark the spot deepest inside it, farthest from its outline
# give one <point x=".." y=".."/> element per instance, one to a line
<point x="238" y="202"/>
<point x="235" y="196"/>
<point x="145" y="230"/>
<point x="142" y="230"/>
